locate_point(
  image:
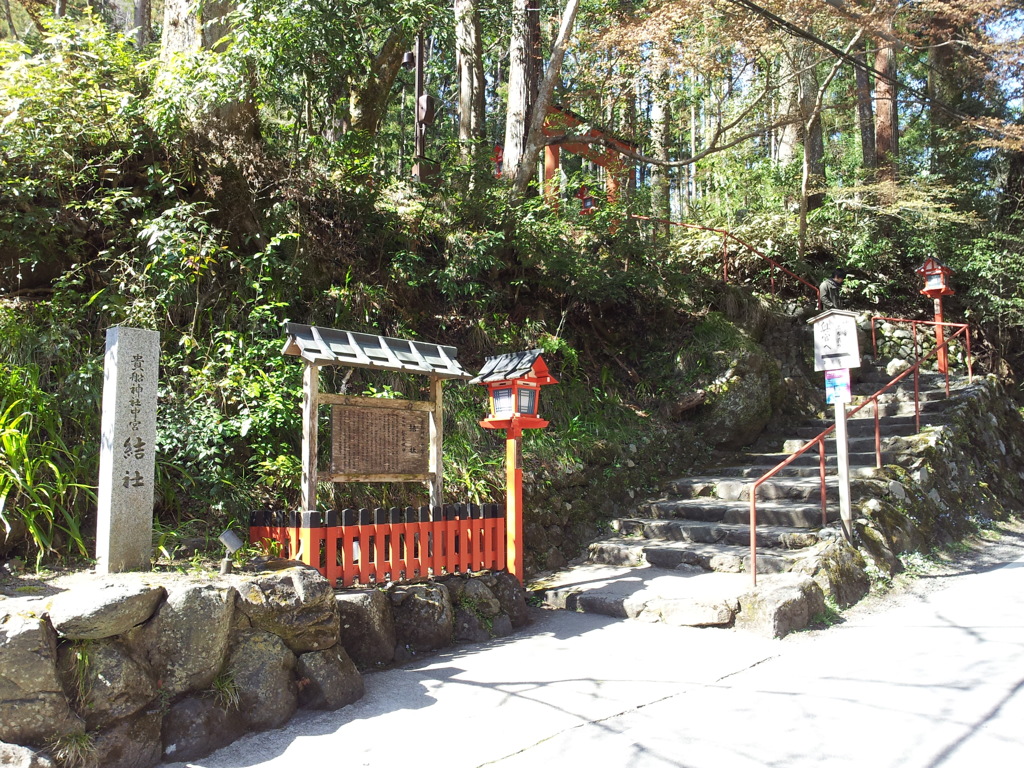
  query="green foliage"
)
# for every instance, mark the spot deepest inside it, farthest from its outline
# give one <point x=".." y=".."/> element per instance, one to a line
<point x="70" y="112"/>
<point x="74" y="750"/>
<point x="39" y="489"/>
<point x="225" y="691"/>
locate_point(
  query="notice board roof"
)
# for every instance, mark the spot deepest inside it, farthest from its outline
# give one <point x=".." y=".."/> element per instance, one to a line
<point x="330" y="346"/>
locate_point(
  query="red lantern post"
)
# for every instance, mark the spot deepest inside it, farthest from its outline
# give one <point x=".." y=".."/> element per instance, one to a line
<point x="936" y="285"/>
<point x="513" y="384"/>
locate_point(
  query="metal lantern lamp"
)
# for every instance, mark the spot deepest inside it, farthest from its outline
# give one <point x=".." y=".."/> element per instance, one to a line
<point x="588" y="203"/>
<point x="936" y="279"/>
<point x="513" y="384"/>
<point x="936" y="285"/>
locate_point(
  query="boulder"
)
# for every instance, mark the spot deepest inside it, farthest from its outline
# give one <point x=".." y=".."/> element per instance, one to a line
<point x="328" y="679"/>
<point x="17" y="756"/>
<point x="778" y="607"/>
<point x="896" y="366"/>
<point x="93" y="612"/>
<point x="131" y="743"/>
<point x="471" y="627"/>
<point x="424" y="617"/>
<point x="875" y="548"/>
<point x="108" y="682"/>
<point x="186" y="640"/>
<point x="33" y="706"/>
<point x="367" y="627"/>
<point x="740" y="402"/>
<point x="196" y="726"/>
<point x="297" y="604"/>
<point x="477" y="594"/>
<point x="261" y="668"/>
<point x="838" y="569"/>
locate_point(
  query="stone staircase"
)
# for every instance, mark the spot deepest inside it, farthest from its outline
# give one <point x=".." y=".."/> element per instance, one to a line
<point x="684" y="557"/>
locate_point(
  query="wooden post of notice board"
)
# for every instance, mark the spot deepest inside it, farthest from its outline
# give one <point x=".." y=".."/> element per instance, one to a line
<point x="436" y="435"/>
<point x="310" y="409"/>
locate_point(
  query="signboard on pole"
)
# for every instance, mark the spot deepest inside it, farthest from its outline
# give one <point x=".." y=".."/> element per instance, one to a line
<point x="835" y="340"/>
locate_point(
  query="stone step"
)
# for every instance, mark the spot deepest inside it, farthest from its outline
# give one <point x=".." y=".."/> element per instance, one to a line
<point x="861" y="428"/>
<point x="799" y="470"/>
<point x="865" y="418"/>
<point x="780" y="603"/>
<point x="900" y="407"/>
<point x="877" y="378"/>
<point x="647" y="593"/>
<point x="713" y="511"/>
<point x="902" y="391"/>
<point x="684" y="555"/>
<point x="699" y="532"/>
<point x="859" y="444"/>
<point x="810" y="458"/>
<point x="732" y="488"/>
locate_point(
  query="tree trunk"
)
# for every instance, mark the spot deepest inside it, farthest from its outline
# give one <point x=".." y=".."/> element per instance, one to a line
<point x="789" y="104"/>
<point x="470" y="65"/>
<point x="369" y="103"/>
<point x="886" y="112"/>
<point x="865" y="112"/>
<point x="10" y="19"/>
<point x="523" y="75"/>
<point x="813" y="139"/>
<point x="661" y="124"/>
<point x="535" y="138"/>
<point x="143" y="23"/>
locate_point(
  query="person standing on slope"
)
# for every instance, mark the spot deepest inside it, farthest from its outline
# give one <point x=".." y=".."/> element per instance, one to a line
<point x="829" y="288"/>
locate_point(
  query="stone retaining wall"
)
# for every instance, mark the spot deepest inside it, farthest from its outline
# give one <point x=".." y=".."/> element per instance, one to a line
<point x="127" y="670"/>
<point x="952" y="478"/>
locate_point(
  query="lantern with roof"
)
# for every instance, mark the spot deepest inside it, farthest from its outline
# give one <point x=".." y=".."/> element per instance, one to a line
<point x="936" y="285"/>
<point x="588" y="203"/>
<point x="513" y="384"/>
<point x="936" y="278"/>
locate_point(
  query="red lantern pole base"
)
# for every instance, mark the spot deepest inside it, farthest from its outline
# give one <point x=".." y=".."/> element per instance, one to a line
<point x="940" y="338"/>
<point x="514" y="503"/>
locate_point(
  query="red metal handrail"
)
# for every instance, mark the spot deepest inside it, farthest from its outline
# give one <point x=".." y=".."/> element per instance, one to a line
<point x="914" y="324"/>
<point x="726" y="237"/>
<point x="820" y="439"/>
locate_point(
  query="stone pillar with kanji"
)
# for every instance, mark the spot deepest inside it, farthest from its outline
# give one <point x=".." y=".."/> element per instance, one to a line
<point x="124" y="524"/>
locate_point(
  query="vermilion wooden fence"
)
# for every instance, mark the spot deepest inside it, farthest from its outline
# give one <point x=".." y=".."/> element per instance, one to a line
<point x="375" y="546"/>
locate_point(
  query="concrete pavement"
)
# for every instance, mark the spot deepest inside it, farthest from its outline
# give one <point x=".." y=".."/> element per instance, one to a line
<point x="935" y="680"/>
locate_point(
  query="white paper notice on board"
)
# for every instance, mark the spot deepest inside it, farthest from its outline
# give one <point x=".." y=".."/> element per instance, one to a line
<point x="835" y="340"/>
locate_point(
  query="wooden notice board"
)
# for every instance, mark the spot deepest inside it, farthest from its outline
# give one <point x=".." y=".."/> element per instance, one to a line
<point x="379" y="441"/>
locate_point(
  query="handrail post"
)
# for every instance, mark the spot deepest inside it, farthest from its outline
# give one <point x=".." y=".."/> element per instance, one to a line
<point x="878" y="435"/>
<point x="753" y="534"/>
<point x="821" y="474"/>
<point x="970" y="370"/>
<point x="917" y="396"/>
<point x="874" y="340"/>
<point x="725" y="258"/>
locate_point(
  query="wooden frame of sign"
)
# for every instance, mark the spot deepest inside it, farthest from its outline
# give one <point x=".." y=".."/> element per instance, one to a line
<point x="358" y="440"/>
<point x="373" y="440"/>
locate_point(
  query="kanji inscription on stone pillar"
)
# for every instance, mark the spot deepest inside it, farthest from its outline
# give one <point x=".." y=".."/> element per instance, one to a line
<point x="124" y="526"/>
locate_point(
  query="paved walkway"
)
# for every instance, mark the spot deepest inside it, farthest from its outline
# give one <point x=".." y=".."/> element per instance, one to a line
<point x="936" y="679"/>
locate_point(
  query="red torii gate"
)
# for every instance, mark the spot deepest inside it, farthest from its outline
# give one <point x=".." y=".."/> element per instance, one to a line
<point x="606" y="153"/>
